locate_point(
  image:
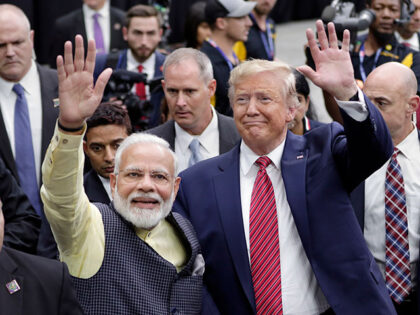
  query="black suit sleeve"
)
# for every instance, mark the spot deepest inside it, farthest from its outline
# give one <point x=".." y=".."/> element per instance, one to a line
<point x="22" y="224"/>
<point x="68" y="301"/>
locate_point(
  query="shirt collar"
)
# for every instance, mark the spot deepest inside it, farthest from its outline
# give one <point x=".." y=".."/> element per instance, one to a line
<point x="148" y="64"/>
<point x="27" y="82"/>
<point x="410" y="145"/>
<point x="186" y="138"/>
<point x="248" y="157"/>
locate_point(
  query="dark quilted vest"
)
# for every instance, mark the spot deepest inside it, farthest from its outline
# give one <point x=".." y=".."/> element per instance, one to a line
<point x="134" y="279"/>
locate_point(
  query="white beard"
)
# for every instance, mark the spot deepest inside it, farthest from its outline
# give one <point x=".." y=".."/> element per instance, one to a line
<point x="139" y="217"/>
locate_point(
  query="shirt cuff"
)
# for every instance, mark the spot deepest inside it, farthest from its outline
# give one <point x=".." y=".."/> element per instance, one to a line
<point x="355" y="109"/>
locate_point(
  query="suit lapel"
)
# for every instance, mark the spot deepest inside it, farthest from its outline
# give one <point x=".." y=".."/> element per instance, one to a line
<point x="10" y="303"/>
<point x="6" y="149"/>
<point x="293" y="168"/>
<point x="116" y="29"/>
<point x="226" y="139"/>
<point x="228" y="195"/>
<point x="49" y="91"/>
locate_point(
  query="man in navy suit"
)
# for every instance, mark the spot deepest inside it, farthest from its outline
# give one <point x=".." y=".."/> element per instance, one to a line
<point x="396" y="99"/>
<point x="322" y="264"/>
<point x="143" y="32"/>
<point x="106" y="129"/>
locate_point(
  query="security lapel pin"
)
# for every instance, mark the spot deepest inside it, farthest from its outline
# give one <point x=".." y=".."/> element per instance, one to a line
<point x="299" y="157"/>
<point x="12" y="286"/>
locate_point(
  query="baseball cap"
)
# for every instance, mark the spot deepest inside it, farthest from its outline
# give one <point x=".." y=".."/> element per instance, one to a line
<point x="227" y="8"/>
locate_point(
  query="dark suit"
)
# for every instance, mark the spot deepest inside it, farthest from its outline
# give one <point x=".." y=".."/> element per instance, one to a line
<point x="22" y="224"/>
<point x="45" y="285"/>
<point x="49" y="91"/>
<point x="94" y="188"/>
<point x="358" y="201"/>
<point x="102" y="62"/>
<point x="228" y="134"/>
<point x="319" y="169"/>
<point x="73" y="23"/>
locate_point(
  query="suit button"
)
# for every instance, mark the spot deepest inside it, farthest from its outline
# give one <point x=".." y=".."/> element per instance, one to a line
<point x="174" y="311"/>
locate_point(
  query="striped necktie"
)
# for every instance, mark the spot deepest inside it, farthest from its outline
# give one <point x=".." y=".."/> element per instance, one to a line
<point x="397" y="255"/>
<point x="264" y="244"/>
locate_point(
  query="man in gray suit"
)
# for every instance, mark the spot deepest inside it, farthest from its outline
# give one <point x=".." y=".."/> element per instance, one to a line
<point x="38" y="86"/>
<point x="197" y="131"/>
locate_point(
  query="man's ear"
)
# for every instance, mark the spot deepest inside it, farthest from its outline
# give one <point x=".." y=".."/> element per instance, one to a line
<point x="112" y="183"/>
<point x="220" y="23"/>
<point x="125" y="33"/>
<point x="176" y="186"/>
<point x="85" y="147"/>
<point x="413" y="105"/>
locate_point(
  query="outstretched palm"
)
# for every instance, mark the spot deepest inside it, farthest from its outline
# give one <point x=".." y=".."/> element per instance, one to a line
<point x="334" y="70"/>
<point x="78" y="96"/>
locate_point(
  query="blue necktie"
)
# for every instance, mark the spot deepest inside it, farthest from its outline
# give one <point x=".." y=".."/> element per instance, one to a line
<point x="195" y="152"/>
<point x="24" y="152"/>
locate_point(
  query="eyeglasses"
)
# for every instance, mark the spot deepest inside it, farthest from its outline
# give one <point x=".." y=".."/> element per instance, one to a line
<point x="134" y="175"/>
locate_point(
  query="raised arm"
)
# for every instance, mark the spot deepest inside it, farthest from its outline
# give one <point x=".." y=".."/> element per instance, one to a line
<point x="334" y="70"/>
<point x="76" y="223"/>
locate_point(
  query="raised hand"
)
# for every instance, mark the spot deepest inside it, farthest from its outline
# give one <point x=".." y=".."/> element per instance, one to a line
<point x="78" y="96"/>
<point x="334" y="70"/>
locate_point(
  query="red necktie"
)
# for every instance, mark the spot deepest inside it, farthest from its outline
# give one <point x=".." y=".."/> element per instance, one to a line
<point x="264" y="244"/>
<point x="140" y="88"/>
<point x="397" y="254"/>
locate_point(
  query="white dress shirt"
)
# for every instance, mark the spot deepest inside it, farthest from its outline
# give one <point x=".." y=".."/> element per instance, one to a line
<point x="300" y="290"/>
<point x="413" y="41"/>
<point x="32" y="86"/>
<point x="374" y="230"/>
<point x="209" y="142"/>
<point x="148" y="68"/>
<point x="104" y="20"/>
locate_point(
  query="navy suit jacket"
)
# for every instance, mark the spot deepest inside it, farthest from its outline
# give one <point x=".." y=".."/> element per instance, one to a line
<point x="45" y="285"/>
<point x="319" y="170"/>
<point x="49" y="90"/>
<point x="94" y="188"/>
<point x="228" y="134"/>
<point x="156" y="97"/>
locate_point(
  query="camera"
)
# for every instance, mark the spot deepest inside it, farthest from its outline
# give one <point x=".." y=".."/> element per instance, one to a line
<point x="119" y="87"/>
<point x="344" y="16"/>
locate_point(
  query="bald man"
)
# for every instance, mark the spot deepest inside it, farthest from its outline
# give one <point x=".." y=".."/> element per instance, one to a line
<point x="24" y="82"/>
<point x="392" y="87"/>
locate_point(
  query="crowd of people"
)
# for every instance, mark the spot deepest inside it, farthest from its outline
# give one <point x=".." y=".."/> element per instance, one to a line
<point x="137" y="180"/>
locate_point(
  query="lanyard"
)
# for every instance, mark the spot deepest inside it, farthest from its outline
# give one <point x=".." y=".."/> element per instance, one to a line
<point x="229" y="63"/>
<point x="266" y="38"/>
<point x="362" y="57"/>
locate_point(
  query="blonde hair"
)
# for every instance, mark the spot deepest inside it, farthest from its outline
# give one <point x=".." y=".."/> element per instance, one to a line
<point x="279" y="68"/>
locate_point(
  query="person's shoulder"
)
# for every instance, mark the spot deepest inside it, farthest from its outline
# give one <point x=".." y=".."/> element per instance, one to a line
<point x="35" y="264"/>
<point x="116" y="12"/>
<point x="162" y="129"/>
<point x="69" y="17"/>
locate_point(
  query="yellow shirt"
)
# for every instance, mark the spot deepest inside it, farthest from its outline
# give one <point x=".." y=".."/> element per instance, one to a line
<point x="77" y="224"/>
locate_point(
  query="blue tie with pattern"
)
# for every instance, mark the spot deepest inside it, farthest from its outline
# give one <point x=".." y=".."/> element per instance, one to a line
<point x="24" y="152"/>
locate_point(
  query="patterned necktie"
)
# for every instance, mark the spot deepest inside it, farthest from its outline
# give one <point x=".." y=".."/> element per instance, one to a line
<point x="140" y="87"/>
<point x="264" y="244"/>
<point x="24" y="152"/>
<point x="195" y="152"/>
<point x="397" y="255"/>
<point x="97" y="33"/>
